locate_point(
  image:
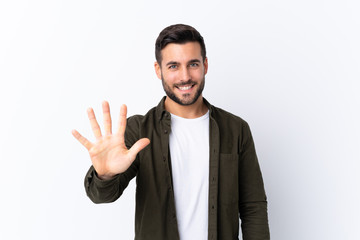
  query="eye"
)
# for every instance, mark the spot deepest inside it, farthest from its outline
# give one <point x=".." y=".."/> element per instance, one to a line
<point x="194" y="64"/>
<point x="172" y="67"/>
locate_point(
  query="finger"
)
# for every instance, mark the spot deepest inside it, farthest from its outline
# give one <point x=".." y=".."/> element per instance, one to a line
<point x="138" y="146"/>
<point x="122" y="122"/>
<point x="81" y="139"/>
<point x="94" y="124"/>
<point x="107" y="117"/>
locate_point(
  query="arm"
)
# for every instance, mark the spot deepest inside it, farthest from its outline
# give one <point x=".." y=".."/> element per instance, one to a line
<point x="252" y="198"/>
<point x="105" y="191"/>
<point x="113" y="164"/>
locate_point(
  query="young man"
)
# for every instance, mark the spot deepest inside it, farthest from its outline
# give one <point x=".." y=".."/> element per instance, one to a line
<point x="195" y="165"/>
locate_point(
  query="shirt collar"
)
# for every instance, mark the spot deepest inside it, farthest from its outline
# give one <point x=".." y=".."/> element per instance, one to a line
<point x="160" y="109"/>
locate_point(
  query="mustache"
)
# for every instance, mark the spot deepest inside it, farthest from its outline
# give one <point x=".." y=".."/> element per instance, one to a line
<point x="188" y="82"/>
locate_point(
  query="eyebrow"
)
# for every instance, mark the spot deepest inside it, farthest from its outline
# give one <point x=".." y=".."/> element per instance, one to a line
<point x="172" y="63"/>
<point x="176" y="63"/>
<point x="194" y="61"/>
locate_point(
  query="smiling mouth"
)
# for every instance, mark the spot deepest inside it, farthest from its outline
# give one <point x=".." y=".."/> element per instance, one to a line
<point x="185" y="86"/>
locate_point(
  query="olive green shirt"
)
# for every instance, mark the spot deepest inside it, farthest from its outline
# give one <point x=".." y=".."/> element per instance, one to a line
<point x="236" y="186"/>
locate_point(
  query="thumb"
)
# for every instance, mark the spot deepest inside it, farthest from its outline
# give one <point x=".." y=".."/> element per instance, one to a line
<point x="138" y="146"/>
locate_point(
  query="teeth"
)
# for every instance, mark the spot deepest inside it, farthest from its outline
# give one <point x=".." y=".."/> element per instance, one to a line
<point x="185" y="88"/>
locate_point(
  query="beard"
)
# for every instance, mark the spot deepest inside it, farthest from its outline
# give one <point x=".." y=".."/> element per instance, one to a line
<point x="186" y="99"/>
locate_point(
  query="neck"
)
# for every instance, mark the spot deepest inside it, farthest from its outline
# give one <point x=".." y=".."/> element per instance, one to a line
<point x="195" y="110"/>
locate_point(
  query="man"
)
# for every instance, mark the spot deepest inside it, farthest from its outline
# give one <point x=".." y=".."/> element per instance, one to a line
<point x="195" y="165"/>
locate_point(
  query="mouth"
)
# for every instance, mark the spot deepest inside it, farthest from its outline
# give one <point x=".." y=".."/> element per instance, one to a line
<point x="185" y="87"/>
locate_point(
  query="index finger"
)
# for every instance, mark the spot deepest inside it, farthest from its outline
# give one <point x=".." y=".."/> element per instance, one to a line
<point x="122" y="122"/>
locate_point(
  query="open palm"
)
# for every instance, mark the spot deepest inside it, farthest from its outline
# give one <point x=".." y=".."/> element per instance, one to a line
<point x="109" y="154"/>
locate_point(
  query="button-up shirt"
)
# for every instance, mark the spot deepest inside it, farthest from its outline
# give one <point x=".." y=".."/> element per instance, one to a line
<point x="236" y="188"/>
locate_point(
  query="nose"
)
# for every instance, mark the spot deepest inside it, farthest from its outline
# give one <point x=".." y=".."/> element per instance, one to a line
<point x="185" y="74"/>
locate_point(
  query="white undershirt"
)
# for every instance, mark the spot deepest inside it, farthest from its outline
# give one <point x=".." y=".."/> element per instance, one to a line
<point x="189" y="149"/>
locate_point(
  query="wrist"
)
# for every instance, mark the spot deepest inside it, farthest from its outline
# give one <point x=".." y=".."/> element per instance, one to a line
<point x="106" y="177"/>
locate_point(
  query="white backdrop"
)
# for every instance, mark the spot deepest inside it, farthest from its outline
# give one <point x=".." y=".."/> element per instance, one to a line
<point x="290" y="68"/>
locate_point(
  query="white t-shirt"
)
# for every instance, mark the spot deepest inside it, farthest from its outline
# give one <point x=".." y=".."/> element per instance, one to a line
<point x="189" y="150"/>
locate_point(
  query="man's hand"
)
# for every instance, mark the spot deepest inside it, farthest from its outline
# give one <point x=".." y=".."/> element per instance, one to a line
<point x="109" y="154"/>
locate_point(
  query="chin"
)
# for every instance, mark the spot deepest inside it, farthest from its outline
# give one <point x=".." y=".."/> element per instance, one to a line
<point x="184" y="100"/>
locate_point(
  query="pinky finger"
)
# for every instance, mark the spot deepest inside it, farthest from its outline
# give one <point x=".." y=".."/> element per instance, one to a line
<point x="86" y="143"/>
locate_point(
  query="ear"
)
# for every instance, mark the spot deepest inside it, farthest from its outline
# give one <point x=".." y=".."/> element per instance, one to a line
<point x="157" y="69"/>
<point x="205" y="65"/>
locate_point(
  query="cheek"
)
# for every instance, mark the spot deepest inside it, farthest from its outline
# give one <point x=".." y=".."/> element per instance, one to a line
<point x="199" y="74"/>
<point x="170" y="77"/>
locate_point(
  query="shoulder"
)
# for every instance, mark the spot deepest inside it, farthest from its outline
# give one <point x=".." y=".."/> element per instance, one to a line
<point x="137" y="126"/>
<point x="233" y="130"/>
<point x="138" y="120"/>
<point x="226" y="118"/>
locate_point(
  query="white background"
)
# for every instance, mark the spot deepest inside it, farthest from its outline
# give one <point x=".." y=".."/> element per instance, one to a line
<point x="289" y="68"/>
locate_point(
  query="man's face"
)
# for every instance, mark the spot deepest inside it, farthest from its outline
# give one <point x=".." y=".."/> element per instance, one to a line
<point x="182" y="72"/>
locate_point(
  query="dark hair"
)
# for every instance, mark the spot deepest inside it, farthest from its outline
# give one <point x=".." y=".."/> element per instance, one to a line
<point x="178" y="33"/>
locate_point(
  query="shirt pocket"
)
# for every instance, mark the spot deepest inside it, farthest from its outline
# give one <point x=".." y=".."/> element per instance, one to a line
<point x="228" y="178"/>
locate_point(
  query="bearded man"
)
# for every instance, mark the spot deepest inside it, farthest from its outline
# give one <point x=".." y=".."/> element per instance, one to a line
<point x="195" y="164"/>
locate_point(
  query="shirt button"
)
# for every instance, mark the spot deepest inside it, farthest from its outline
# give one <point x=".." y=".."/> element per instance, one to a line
<point x="164" y="158"/>
<point x="165" y="131"/>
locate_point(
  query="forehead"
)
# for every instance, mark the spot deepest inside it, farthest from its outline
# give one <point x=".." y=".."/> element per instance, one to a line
<point x="181" y="52"/>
